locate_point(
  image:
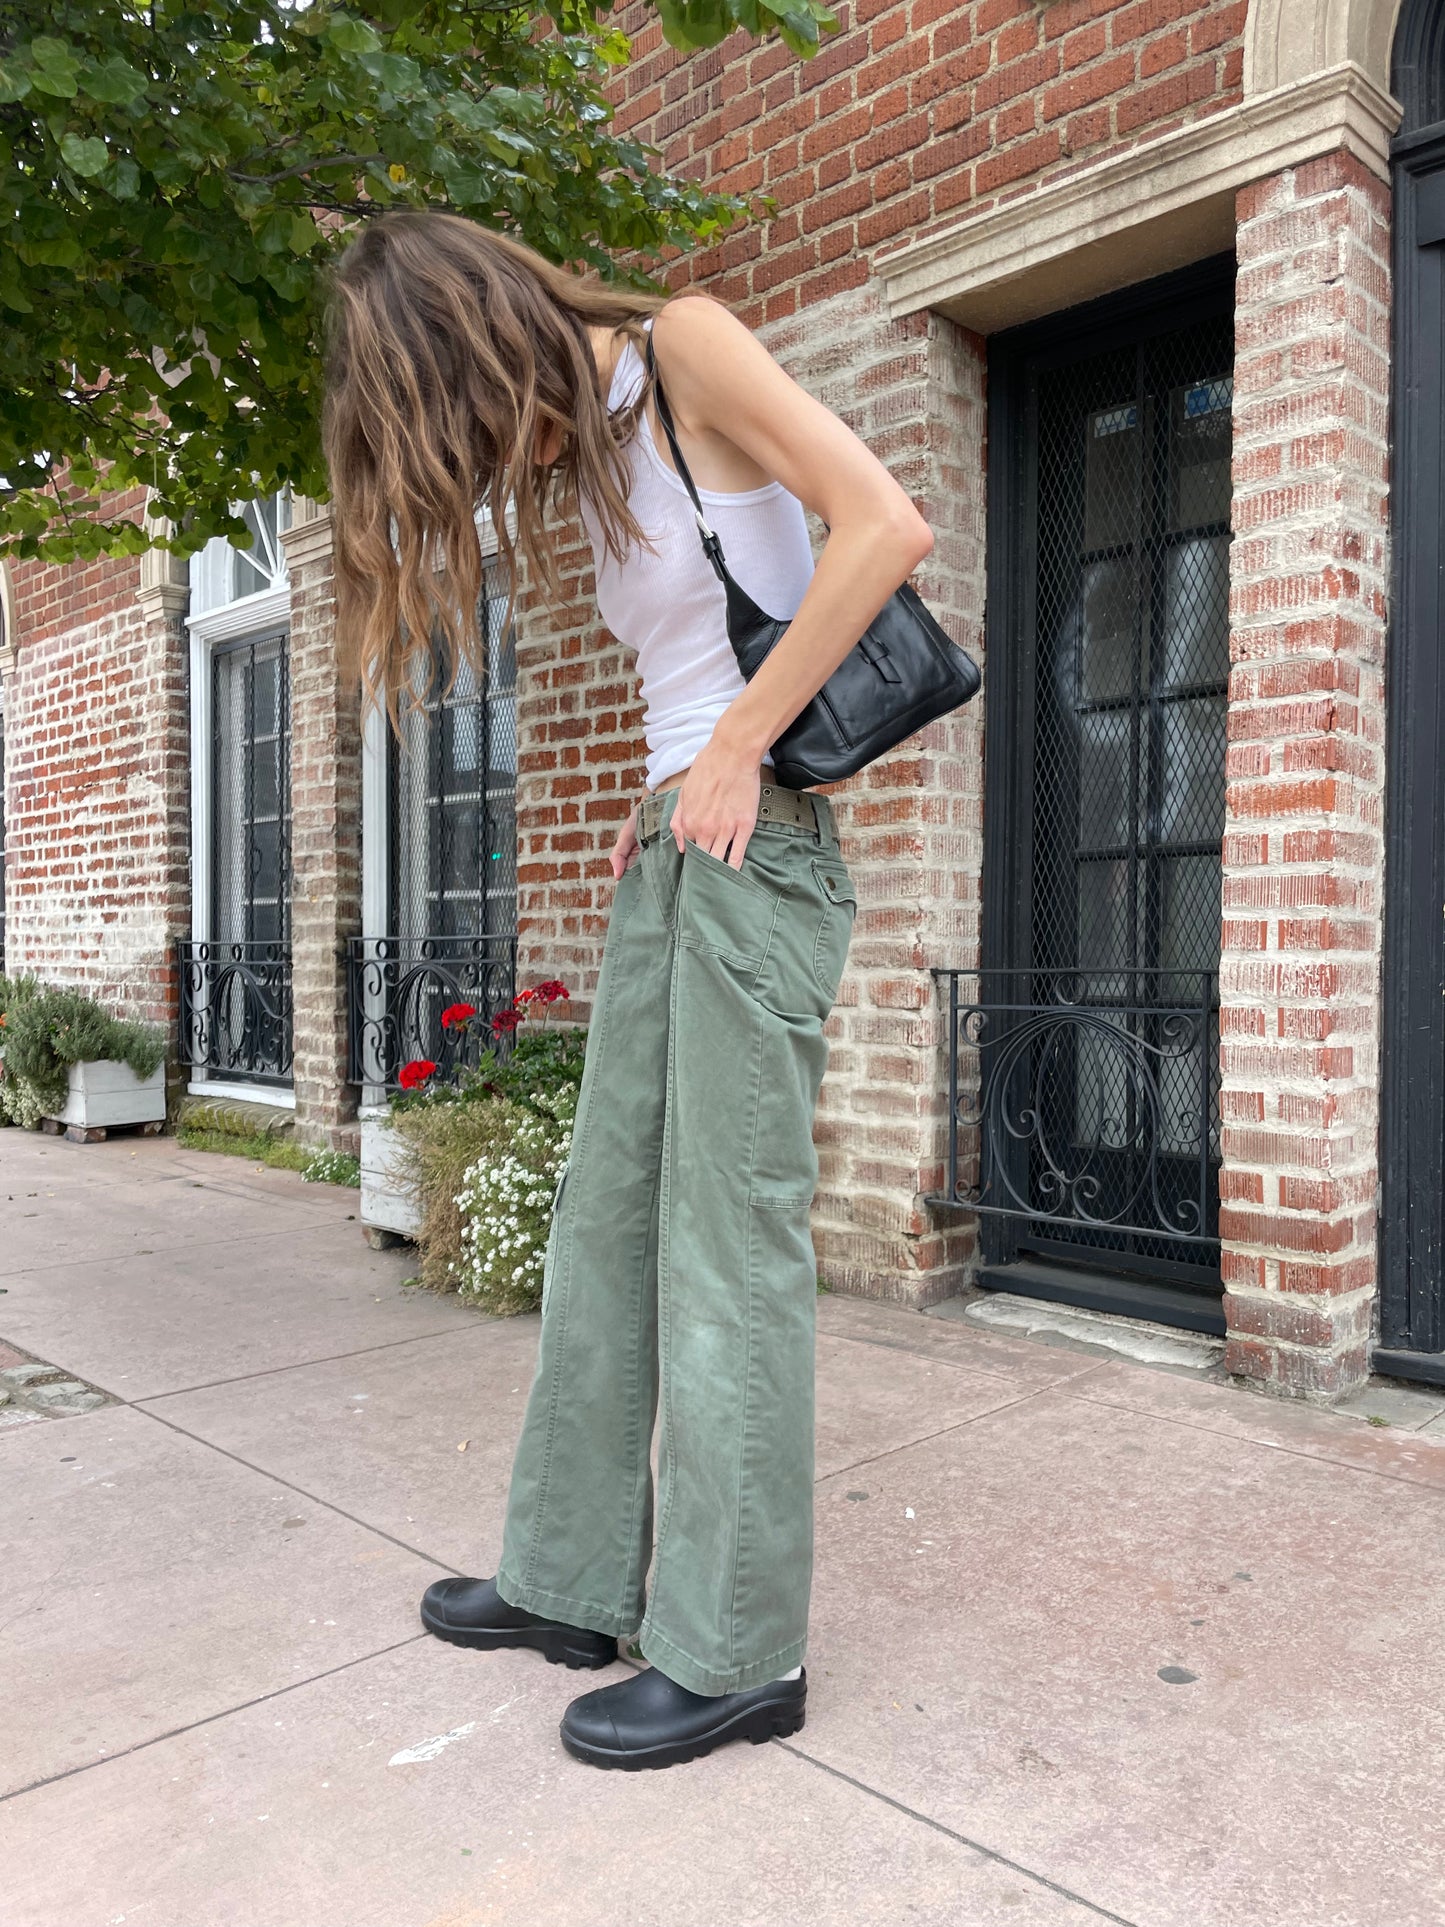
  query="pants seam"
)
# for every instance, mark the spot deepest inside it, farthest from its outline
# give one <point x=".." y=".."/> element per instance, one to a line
<point x="565" y="1250"/>
<point x="637" y="1484"/>
<point x="752" y="1165"/>
<point x="664" y="1271"/>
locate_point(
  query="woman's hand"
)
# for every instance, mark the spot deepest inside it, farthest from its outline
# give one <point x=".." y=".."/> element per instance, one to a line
<point x="717" y="801"/>
<point x="626" y="850"/>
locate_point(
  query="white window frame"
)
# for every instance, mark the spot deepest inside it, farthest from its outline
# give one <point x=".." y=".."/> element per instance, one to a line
<point x="260" y="613"/>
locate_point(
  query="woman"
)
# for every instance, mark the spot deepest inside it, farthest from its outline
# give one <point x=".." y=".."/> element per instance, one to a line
<point x="465" y="370"/>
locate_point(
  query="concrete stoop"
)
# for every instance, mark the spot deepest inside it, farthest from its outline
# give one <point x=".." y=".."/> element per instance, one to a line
<point x="1100" y="1332"/>
<point x="234" y="1116"/>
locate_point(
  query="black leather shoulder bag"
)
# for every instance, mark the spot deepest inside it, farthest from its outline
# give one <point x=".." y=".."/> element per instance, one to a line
<point x="902" y="672"/>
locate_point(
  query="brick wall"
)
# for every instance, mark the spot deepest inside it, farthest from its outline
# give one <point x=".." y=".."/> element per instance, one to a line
<point x="580" y="765"/>
<point x="97" y="804"/>
<point x="325" y="839"/>
<point x="916" y="113"/>
<point x="1303" y="850"/>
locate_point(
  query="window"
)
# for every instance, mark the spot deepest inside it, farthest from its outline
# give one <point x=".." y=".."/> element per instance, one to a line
<point x="251" y="792"/>
<point x="236" y="967"/>
<point x="223" y="573"/>
<point x="453" y="783"/>
<point x="439" y="860"/>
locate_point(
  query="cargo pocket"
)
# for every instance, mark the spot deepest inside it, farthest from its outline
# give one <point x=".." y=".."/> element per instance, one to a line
<point x="840" y="907"/>
<point x="725" y="911"/>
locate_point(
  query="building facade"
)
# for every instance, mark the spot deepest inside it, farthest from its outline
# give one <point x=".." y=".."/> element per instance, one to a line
<point x="1141" y="301"/>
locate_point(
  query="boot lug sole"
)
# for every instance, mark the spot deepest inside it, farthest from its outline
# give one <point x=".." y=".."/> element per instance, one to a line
<point x="557" y="1648"/>
<point x="759" y="1726"/>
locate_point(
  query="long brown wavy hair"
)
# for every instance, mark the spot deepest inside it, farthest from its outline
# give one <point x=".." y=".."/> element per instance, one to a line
<point x="451" y="349"/>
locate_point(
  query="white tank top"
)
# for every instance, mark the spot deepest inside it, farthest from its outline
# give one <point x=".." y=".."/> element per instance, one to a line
<point x="667" y="605"/>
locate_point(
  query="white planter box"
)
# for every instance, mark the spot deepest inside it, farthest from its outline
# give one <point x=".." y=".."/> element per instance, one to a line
<point x="388" y="1202"/>
<point x="109" y="1093"/>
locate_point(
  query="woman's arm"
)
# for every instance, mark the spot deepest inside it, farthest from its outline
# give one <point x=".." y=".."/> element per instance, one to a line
<point x="751" y="421"/>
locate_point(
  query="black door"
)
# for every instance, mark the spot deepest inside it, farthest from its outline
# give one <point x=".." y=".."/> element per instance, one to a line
<point x="1412" y="1160"/>
<point x="1095" y="1022"/>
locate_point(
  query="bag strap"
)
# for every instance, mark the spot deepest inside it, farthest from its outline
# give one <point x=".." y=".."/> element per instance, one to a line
<point x="711" y="546"/>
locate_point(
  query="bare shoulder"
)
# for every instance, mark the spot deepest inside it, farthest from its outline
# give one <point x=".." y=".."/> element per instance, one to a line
<point x="694" y="332"/>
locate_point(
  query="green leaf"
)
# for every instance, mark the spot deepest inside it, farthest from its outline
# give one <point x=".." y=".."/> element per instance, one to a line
<point x="48" y="52"/>
<point x="289" y="278"/>
<point x="351" y="36"/>
<point x="113" y="81"/>
<point x="52" y="251"/>
<point x="394" y="72"/>
<point x="87" y="156"/>
<point x="124" y="179"/>
<point x="52" y="67"/>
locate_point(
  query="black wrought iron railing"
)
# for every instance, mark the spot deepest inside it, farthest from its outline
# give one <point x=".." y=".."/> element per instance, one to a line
<point x="1086" y="1102"/>
<point x="235" y="1010"/>
<point x="399" y="988"/>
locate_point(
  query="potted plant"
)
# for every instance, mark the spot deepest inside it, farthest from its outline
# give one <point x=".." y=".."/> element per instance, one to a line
<point x="390" y="1208"/>
<point x="431" y="1122"/>
<point x="66" y="1064"/>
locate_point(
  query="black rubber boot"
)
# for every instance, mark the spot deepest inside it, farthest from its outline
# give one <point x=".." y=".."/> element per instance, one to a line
<point x="471" y="1612"/>
<point x="649" y="1720"/>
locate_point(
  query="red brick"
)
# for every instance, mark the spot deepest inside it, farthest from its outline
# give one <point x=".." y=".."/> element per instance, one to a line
<point x="1091" y="83"/>
<point x="1026" y="158"/>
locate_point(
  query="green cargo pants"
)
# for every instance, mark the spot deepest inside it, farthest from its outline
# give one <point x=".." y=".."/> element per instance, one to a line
<point x="680" y="1268"/>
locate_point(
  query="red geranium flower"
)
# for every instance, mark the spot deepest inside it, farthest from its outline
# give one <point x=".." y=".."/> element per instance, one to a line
<point x="506" y="1020"/>
<point x="553" y="990"/>
<point x="524" y="997"/>
<point x="411" y="1076"/>
<point x="455" y="1015"/>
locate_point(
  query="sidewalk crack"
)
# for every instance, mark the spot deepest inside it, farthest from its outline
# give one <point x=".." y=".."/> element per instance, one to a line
<point x="208" y="1719"/>
<point x="960" y="1839"/>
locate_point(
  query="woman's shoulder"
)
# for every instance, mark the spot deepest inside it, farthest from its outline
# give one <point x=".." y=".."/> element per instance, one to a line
<point x="696" y="321"/>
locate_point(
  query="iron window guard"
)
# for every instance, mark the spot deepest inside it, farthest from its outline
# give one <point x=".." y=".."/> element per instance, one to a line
<point x="1085" y="1099"/>
<point x="235" y="1010"/>
<point x="397" y="989"/>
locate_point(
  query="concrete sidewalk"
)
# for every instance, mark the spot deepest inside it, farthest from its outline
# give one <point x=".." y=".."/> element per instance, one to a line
<point x="1091" y="1641"/>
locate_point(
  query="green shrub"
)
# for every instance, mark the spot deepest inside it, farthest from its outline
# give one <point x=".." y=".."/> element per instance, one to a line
<point x="259" y="1147"/>
<point x="444" y="1139"/>
<point x="506" y="1203"/>
<point x="46" y="1030"/>
<point x="332" y="1167"/>
<point x="483" y="1151"/>
<point x="19" y="1101"/>
<point x="541" y="1062"/>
